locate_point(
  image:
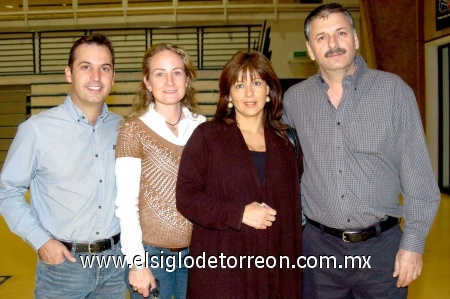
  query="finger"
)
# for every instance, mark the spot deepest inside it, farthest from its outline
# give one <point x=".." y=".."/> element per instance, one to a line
<point x="408" y="280"/>
<point x="153" y="282"/>
<point x="400" y="282"/>
<point x="419" y="271"/>
<point x="396" y="268"/>
<point x="403" y="279"/>
<point x="68" y="255"/>
<point x="272" y="212"/>
<point x="406" y="276"/>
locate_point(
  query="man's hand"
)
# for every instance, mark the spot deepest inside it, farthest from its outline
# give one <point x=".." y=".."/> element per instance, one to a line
<point x="141" y="280"/>
<point x="408" y="266"/>
<point x="53" y="252"/>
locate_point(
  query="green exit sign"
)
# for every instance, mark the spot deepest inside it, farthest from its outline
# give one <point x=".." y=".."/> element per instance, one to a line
<point x="299" y="54"/>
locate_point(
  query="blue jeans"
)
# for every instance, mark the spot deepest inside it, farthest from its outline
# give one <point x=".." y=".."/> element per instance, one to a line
<point x="73" y="281"/>
<point x="173" y="279"/>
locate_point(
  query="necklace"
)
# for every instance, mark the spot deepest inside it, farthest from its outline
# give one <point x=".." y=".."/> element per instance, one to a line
<point x="173" y="125"/>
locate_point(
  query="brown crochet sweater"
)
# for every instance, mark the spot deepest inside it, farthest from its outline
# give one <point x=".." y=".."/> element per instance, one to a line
<point x="162" y="225"/>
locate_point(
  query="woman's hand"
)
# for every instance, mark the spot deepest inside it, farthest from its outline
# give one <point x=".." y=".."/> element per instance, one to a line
<point x="141" y="280"/>
<point x="258" y="215"/>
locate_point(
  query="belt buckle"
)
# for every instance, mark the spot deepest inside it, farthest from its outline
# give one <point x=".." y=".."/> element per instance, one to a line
<point x="89" y="248"/>
<point x="344" y="235"/>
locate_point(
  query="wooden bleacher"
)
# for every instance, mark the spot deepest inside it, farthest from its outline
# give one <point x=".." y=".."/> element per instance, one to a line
<point x="45" y="95"/>
<point x="13" y="108"/>
<point x="17" y="102"/>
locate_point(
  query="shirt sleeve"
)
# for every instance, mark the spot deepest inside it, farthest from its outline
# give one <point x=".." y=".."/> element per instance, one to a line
<point x="285" y="118"/>
<point x="20" y="167"/>
<point x="192" y="199"/>
<point x="128" y="175"/>
<point x="421" y="195"/>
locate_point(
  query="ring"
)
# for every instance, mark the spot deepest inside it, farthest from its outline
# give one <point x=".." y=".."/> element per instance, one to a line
<point x="135" y="289"/>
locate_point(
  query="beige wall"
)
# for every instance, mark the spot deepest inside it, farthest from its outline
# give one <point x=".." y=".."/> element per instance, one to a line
<point x="432" y="40"/>
<point x="287" y="37"/>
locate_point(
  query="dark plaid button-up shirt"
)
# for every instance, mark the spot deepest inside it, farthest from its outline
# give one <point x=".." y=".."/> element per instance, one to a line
<point x="359" y="157"/>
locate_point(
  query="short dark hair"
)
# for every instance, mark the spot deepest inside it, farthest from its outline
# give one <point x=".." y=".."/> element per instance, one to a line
<point x="94" y="39"/>
<point x="323" y="11"/>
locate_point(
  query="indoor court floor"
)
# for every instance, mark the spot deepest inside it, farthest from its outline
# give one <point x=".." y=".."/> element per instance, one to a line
<point x="18" y="262"/>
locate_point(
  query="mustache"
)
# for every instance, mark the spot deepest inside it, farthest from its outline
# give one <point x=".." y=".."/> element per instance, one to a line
<point x="335" y="51"/>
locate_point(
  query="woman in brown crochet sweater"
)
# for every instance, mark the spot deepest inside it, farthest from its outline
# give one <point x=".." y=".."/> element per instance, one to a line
<point x="238" y="183"/>
<point x="148" y="152"/>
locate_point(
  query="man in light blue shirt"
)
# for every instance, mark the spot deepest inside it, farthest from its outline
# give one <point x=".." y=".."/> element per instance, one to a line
<point x="66" y="156"/>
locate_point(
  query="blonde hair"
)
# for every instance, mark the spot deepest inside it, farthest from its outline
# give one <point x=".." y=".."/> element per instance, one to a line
<point x="145" y="97"/>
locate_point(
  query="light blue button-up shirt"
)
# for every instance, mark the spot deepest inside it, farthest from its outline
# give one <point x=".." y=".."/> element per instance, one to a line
<point x="68" y="165"/>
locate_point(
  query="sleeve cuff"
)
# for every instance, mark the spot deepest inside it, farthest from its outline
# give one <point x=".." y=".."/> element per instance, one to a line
<point x="38" y="238"/>
<point x="412" y="243"/>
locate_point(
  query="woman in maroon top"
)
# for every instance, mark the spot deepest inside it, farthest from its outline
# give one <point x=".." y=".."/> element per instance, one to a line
<point x="238" y="183"/>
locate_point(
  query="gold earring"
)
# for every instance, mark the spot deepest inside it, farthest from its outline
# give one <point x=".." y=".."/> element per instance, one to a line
<point x="230" y="104"/>
<point x="267" y="99"/>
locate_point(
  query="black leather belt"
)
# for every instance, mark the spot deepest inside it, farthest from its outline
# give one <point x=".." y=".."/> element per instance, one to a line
<point x="355" y="236"/>
<point x="93" y="247"/>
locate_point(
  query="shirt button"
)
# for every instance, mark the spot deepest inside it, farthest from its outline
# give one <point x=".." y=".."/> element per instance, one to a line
<point x="348" y="220"/>
<point x="93" y="130"/>
<point x="340" y="171"/>
<point x="97" y="233"/>
<point x="100" y="181"/>
<point x="99" y="207"/>
<point x="338" y="123"/>
<point x="96" y="155"/>
<point x="342" y="196"/>
<point x="83" y="117"/>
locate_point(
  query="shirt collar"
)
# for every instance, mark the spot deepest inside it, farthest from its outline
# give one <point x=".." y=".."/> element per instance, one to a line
<point x="78" y="115"/>
<point x="153" y="114"/>
<point x="360" y="70"/>
<point x="355" y="77"/>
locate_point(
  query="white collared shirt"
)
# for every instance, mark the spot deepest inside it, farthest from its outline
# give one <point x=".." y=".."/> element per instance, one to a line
<point x="186" y="126"/>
